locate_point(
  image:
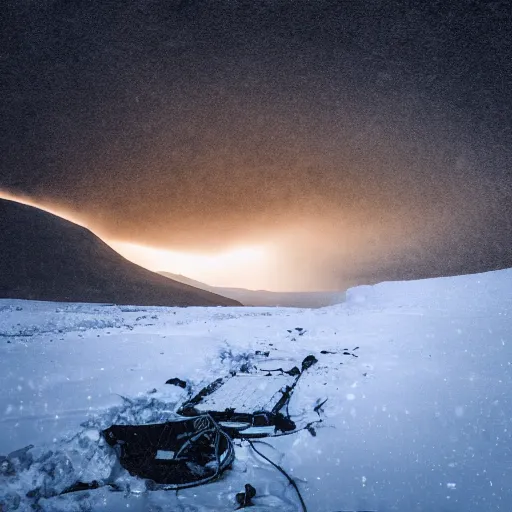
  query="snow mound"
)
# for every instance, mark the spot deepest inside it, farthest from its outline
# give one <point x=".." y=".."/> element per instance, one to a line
<point x="477" y="290"/>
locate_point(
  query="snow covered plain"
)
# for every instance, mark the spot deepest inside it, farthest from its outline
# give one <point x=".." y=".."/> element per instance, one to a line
<point x="419" y="421"/>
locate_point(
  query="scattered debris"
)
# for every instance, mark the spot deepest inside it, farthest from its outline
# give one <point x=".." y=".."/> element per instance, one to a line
<point x="293" y="372"/>
<point x="318" y="407"/>
<point x="244" y="499"/>
<point x="308" y="362"/>
<point x="311" y="430"/>
<point x="246" y="368"/>
<point x="177" y="382"/>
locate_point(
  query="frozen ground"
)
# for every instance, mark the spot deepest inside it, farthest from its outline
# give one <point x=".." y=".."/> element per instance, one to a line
<point x="419" y="421"/>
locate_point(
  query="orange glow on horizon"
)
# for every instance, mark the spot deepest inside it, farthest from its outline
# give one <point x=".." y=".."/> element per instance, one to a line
<point x="243" y="266"/>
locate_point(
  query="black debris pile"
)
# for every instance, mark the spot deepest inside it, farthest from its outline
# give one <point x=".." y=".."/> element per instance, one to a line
<point x="177" y="382"/>
<point x="345" y="352"/>
<point x="177" y="454"/>
<point x="244" y="499"/>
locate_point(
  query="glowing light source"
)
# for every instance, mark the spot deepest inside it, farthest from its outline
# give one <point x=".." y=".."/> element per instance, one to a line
<point x="245" y="266"/>
<point x="239" y="266"/>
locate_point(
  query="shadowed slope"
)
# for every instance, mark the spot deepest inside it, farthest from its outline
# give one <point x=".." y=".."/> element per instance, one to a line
<point x="44" y="257"/>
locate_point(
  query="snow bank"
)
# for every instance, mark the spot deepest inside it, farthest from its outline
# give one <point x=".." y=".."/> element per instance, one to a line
<point x="479" y="291"/>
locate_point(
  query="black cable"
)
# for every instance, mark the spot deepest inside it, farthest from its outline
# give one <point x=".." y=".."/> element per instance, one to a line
<point x="281" y="470"/>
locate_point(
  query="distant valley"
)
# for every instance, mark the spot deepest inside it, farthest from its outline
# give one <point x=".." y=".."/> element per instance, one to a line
<point x="264" y="297"/>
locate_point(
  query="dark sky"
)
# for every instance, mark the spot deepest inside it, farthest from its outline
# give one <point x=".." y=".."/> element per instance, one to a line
<point x="378" y="132"/>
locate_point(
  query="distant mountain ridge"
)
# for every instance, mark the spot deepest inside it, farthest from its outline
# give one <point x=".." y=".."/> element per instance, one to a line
<point x="264" y="297"/>
<point x="45" y="257"/>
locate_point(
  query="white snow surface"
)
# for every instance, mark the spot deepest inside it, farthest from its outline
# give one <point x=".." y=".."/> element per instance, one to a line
<point x="419" y="421"/>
